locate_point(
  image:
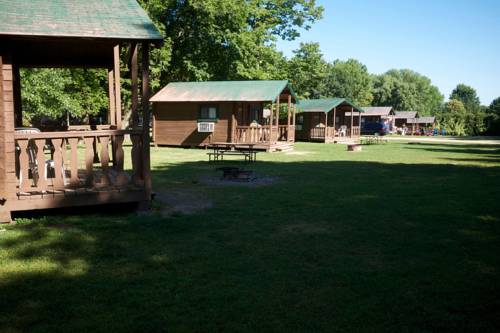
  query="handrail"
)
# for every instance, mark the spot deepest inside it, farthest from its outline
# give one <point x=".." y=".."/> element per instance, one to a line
<point x="74" y="134"/>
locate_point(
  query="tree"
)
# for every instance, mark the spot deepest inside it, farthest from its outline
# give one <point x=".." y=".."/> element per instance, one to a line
<point x="475" y="114"/>
<point x="349" y="79"/>
<point x="226" y="39"/>
<point x="407" y="90"/>
<point x="493" y="117"/>
<point x="452" y="117"/>
<point x="307" y="71"/>
<point x="467" y="95"/>
<point x="55" y="93"/>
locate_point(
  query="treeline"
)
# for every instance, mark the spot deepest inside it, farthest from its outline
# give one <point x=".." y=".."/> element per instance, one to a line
<point x="236" y="40"/>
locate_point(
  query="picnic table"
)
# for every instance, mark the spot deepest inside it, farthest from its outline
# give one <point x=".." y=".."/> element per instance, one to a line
<point x="221" y="149"/>
<point x="373" y="139"/>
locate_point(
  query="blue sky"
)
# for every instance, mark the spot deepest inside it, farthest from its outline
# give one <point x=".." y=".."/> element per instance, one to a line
<point x="449" y="41"/>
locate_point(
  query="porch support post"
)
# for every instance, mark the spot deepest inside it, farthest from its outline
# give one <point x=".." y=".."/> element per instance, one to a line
<point x="16" y="82"/>
<point x="134" y="87"/>
<point x="232" y="123"/>
<point x="334" y="119"/>
<point x="146" y="167"/>
<point x="359" y="123"/>
<point x="118" y="99"/>
<point x="112" y="98"/>
<point x="352" y="119"/>
<point x="326" y="125"/>
<point x="289" y="109"/>
<point x="271" y="119"/>
<point x="277" y="118"/>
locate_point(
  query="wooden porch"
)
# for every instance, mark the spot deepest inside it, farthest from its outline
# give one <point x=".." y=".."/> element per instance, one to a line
<point x="81" y="165"/>
<point x="331" y="135"/>
<point x="74" y="168"/>
<point x="272" y="133"/>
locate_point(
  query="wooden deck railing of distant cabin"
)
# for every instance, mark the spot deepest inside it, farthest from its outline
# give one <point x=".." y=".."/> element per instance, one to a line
<point x="49" y="161"/>
<point x="262" y="134"/>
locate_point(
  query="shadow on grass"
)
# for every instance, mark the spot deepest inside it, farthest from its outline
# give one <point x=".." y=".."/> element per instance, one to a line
<point x="332" y="246"/>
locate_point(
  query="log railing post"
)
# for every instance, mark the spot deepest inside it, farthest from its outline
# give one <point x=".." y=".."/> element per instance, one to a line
<point x="146" y="168"/>
<point x="74" y="179"/>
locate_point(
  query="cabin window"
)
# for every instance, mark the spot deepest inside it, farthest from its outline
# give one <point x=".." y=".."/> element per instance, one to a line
<point x="208" y="112"/>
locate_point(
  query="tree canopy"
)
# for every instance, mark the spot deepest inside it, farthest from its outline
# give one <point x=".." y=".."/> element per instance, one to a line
<point x="407" y="90"/>
<point x="350" y="79"/>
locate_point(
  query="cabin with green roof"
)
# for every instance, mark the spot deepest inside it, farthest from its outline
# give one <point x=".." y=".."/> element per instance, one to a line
<point x="45" y="169"/>
<point x="197" y="114"/>
<point x="328" y="120"/>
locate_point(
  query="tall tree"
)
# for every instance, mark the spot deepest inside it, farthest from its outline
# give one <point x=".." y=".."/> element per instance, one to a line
<point x="349" y="79"/>
<point x="227" y="39"/>
<point x="493" y="117"/>
<point x="467" y="95"/>
<point x="452" y="117"/>
<point x="407" y="90"/>
<point x="307" y="71"/>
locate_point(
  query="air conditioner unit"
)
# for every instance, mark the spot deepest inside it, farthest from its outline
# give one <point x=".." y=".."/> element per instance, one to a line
<point x="206" y="127"/>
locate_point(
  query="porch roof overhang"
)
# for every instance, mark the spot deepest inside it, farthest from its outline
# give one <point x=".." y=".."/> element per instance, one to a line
<point x="405" y="114"/>
<point x="324" y="105"/>
<point x="382" y="111"/>
<point x="422" y="120"/>
<point x="91" y="19"/>
<point x="224" y="91"/>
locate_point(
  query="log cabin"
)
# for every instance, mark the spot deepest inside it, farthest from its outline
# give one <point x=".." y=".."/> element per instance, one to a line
<point x="328" y="120"/>
<point x="421" y="123"/>
<point x="403" y="118"/>
<point x="375" y="114"/>
<point x="197" y="114"/>
<point x="40" y="170"/>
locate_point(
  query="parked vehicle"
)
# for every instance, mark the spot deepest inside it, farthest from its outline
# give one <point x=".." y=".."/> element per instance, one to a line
<point x="375" y="129"/>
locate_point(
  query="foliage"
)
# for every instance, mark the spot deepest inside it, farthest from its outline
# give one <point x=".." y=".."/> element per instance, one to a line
<point x="475" y="115"/>
<point x="407" y="90"/>
<point x="55" y="93"/>
<point x="349" y="79"/>
<point x="467" y="95"/>
<point x="453" y="118"/>
<point x="493" y="117"/>
<point x="224" y="40"/>
<point x="307" y="71"/>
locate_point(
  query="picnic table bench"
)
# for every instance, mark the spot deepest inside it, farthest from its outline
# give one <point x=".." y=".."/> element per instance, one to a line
<point x="221" y="149"/>
<point x="373" y="139"/>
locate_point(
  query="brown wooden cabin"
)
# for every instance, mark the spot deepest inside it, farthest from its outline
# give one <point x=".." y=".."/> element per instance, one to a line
<point x="41" y="170"/>
<point x="196" y="114"/>
<point x="376" y="114"/>
<point x="403" y="118"/>
<point x="417" y="124"/>
<point x="328" y="120"/>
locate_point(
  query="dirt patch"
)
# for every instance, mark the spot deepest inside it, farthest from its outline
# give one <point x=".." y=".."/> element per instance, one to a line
<point x="256" y="180"/>
<point x="182" y="201"/>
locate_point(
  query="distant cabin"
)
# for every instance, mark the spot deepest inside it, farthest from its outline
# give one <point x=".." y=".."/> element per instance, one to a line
<point x="403" y="118"/>
<point x="376" y="114"/>
<point x="328" y="120"/>
<point x="422" y="122"/>
<point x="197" y="114"/>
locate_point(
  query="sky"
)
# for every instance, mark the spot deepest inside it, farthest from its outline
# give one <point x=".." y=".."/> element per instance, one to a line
<point x="449" y="41"/>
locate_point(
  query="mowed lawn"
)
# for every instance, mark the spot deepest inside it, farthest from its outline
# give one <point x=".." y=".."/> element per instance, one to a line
<point x="399" y="237"/>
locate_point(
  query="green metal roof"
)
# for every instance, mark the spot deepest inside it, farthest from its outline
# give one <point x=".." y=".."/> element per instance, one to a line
<point x="221" y="91"/>
<point x="324" y="104"/>
<point x="114" y="19"/>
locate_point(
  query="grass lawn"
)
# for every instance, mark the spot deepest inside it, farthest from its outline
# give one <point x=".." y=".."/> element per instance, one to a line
<point x="399" y="237"/>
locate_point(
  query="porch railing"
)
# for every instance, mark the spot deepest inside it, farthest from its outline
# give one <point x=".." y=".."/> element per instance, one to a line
<point x="262" y="134"/>
<point x="354" y="131"/>
<point x="53" y="161"/>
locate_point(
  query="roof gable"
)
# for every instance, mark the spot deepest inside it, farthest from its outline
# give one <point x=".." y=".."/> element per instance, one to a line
<point x="405" y="114"/>
<point x="377" y="110"/>
<point x="324" y="104"/>
<point x="112" y="19"/>
<point x="222" y="91"/>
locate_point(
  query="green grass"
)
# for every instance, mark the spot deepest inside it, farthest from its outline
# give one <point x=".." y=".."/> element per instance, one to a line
<point x="398" y="237"/>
